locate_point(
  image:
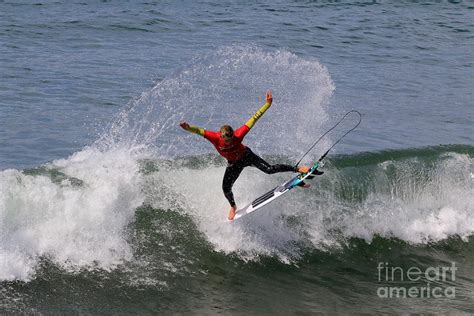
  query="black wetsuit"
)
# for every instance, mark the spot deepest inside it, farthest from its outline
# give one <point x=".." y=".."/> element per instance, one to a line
<point x="234" y="169"/>
<point x="237" y="154"/>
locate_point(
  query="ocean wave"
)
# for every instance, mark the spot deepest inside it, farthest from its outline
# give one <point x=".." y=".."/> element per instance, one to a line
<point x="83" y="212"/>
<point x="74" y="223"/>
<point x="419" y="196"/>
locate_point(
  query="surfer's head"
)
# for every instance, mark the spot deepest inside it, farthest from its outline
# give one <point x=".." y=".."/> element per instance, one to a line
<point x="227" y="133"/>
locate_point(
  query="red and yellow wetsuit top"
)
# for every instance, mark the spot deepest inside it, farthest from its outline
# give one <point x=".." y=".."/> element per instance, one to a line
<point x="234" y="150"/>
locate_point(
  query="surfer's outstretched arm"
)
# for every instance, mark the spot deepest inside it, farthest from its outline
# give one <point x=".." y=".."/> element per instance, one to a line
<point x="251" y="122"/>
<point x="192" y="128"/>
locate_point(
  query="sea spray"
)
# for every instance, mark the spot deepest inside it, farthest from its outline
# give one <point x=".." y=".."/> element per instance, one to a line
<point x="227" y="86"/>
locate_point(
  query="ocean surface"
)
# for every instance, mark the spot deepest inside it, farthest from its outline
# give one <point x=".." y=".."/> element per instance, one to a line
<point x="108" y="207"/>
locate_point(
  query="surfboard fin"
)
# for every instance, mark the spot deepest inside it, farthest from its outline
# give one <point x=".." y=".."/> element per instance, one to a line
<point x="317" y="172"/>
<point x="303" y="185"/>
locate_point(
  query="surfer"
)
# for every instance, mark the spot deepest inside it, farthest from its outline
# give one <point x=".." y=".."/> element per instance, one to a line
<point x="229" y="145"/>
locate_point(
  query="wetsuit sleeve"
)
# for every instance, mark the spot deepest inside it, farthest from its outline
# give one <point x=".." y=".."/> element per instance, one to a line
<point x="241" y="132"/>
<point x="251" y="122"/>
<point x="211" y="136"/>
<point x="196" y="130"/>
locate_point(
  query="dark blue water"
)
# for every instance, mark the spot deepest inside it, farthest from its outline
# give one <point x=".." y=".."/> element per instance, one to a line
<point x="67" y="68"/>
<point x="102" y="209"/>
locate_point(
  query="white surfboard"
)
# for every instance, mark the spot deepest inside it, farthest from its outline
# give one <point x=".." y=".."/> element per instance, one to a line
<point x="276" y="192"/>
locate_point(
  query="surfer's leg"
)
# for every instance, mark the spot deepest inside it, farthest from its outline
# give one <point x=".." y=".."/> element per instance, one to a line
<point x="231" y="174"/>
<point x="266" y="167"/>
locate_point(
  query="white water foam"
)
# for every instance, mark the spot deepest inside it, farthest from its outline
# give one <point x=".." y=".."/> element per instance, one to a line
<point x="434" y="209"/>
<point x="414" y="210"/>
<point x="73" y="225"/>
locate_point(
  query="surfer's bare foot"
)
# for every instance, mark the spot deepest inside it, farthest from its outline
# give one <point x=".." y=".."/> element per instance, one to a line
<point x="306" y="186"/>
<point x="232" y="211"/>
<point x="303" y="169"/>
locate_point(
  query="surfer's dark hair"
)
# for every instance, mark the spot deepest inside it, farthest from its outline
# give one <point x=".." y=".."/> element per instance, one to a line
<point x="227" y="131"/>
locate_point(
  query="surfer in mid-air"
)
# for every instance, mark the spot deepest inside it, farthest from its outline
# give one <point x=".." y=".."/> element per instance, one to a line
<point x="229" y="145"/>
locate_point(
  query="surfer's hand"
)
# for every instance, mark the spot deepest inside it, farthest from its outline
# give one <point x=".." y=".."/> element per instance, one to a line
<point x="184" y="125"/>
<point x="269" y="97"/>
